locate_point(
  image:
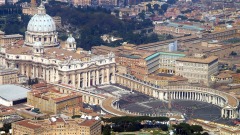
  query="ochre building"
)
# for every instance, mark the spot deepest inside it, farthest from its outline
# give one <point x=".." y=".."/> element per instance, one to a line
<point x="57" y="126"/>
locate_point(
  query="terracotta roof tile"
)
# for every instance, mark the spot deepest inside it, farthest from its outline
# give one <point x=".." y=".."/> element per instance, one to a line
<point x="28" y="124"/>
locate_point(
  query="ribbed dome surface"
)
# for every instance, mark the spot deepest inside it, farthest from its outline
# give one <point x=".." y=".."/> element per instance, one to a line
<point x="70" y="39"/>
<point x="41" y="22"/>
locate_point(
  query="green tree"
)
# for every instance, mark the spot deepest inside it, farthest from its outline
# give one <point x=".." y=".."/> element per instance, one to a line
<point x="106" y="130"/>
<point x="156" y="7"/>
<point x="149" y="7"/>
<point x="183" y="128"/>
<point x="233" y="53"/>
<point x="238" y="70"/>
<point x="164" y="7"/>
<point x="171" y="1"/>
<point x="181" y="17"/>
<point x="142" y="15"/>
<point x="196" y="129"/>
<point x="205" y="133"/>
<point x="6" y="127"/>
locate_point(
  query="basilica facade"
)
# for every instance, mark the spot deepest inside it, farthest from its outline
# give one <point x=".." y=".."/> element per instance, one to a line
<point x="41" y="56"/>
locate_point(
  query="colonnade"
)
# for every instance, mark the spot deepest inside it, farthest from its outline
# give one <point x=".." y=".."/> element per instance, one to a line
<point x="50" y="40"/>
<point x="190" y="95"/>
<point x="228" y="103"/>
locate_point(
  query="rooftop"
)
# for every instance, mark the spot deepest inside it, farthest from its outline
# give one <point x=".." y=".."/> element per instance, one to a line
<point x="51" y="93"/>
<point x="28" y="124"/>
<point x="88" y="122"/>
<point x="12" y="92"/>
<point x="51" y="53"/>
<point x="131" y="56"/>
<point x="12" y="36"/>
<point x="190" y="27"/>
<point x="207" y="60"/>
<point x="164" y="53"/>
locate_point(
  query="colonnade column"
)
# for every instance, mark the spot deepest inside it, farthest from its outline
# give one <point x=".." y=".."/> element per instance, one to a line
<point x="108" y="76"/>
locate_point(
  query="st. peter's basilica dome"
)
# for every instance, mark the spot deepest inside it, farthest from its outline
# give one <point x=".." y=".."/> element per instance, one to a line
<point x="41" y="28"/>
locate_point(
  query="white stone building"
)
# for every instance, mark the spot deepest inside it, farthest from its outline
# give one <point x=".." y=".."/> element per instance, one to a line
<point x="41" y="56"/>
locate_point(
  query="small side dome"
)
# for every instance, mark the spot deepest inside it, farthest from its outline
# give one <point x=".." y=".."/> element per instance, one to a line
<point x="229" y="26"/>
<point x="70" y="39"/>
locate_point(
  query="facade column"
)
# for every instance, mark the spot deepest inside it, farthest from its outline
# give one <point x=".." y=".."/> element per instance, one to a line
<point x="22" y="69"/>
<point x="43" y="74"/>
<point x="94" y="78"/>
<point x="33" y="71"/>
<point x="103" y="77"/>
<point x="85" y="79"/>
<point x="79" y="80"/>
<point x="47" y="75"/>
<point x="73" y="80"/>
<point x="89" y="79"/>
<point x="97" y="77"/>
<point x="36" y="69"/>
<point x="50" y="75"/>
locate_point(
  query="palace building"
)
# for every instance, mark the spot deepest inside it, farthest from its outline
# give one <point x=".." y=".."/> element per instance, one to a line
<point x="41" y="56"/>
<point x="58" y="126"/>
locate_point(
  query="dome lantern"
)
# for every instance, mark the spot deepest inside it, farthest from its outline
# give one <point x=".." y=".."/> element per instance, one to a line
<point x="41" y="9"/>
